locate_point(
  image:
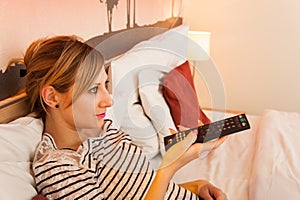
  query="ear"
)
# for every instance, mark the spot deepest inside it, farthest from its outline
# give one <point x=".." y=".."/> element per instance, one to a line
<point x="49" y="95"/>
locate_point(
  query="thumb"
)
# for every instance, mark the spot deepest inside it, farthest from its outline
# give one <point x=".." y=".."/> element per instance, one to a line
<point x="177" y="150"/>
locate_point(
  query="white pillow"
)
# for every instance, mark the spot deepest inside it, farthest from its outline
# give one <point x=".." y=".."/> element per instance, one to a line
<point x="16" y="181"/>
<point x="168" y="50"/>
<point x="153" y="102"/>
<point x="19" y="138"/>
<point x="18" y="141"/>
<point x="141" y="130"/>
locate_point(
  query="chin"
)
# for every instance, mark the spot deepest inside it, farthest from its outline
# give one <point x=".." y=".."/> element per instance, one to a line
<point x="90" y="123"/>
<point x="85" y="134"/>
<point x="100" y="123"/>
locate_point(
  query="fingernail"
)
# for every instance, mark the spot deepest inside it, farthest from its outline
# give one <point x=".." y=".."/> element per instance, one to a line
<point x="172" y="131"/>
<point x="196" y="132"/>
<point x="181" y="128"/>
<point x="200" y="123"/>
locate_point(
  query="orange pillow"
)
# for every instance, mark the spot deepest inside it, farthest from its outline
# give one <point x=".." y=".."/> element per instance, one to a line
<point x="179" y="92"/>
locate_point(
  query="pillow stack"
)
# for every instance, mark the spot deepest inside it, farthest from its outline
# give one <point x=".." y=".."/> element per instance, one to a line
<point x="134" y="110"/>
<point x="140" y="107"/>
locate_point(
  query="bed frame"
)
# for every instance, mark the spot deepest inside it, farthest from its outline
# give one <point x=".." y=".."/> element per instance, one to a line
<point x="17" y="105"/>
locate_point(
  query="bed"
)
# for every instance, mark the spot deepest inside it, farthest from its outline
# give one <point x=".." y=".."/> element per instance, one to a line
<point x="256" y="164"/>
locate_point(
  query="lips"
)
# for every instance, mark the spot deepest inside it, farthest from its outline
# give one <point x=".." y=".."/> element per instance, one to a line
<point x="102" y="115"/>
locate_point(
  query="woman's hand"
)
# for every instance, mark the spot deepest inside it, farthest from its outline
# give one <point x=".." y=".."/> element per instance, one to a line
<point x="205" y="190"/>
<point x="207" y="146"/>
<point x="180" y="153"/>
<point x="176" y="157"/>
<point x="185" y="151"/>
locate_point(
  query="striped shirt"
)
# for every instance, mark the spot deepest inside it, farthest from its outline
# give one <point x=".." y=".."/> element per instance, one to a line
<point x="106" y="167"/>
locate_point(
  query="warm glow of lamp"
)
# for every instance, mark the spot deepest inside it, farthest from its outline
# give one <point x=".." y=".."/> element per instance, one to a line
<point x="198" y="45"/>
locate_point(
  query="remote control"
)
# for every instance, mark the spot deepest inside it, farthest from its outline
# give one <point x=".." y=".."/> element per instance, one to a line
<point x="211" y="131"/>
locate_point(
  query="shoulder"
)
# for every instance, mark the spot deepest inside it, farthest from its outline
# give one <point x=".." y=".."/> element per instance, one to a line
<point x="118" y="142"/>
<point x="45" y="146"/>
<point x="113" y="134"/>
<point x="47" y="155"/>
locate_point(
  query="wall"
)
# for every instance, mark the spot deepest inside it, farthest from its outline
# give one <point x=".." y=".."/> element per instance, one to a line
<point x="23" y="21"/>
<point x="254" y="46"/>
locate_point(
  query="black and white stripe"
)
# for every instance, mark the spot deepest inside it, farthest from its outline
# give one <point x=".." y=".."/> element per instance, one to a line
<point x="108" y="167"/>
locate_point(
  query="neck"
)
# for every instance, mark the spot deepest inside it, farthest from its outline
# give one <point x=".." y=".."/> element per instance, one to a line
<point x="64" y="135"/>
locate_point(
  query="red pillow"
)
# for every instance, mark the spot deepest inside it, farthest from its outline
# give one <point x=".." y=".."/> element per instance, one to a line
<point x="179" y="92"/>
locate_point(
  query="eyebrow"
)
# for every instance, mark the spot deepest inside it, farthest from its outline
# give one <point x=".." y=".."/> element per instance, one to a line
<point x="94" y="85"/>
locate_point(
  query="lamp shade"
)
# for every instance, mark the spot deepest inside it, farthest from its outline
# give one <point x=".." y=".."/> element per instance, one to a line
<point x="198" y="45"/>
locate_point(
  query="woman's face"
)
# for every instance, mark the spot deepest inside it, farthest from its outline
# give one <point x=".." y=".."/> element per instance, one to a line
<point x="89" y="109"/>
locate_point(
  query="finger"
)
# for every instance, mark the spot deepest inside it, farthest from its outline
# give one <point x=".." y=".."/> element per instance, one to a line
<point x="177" y="150"/>
<point x="204" y="193"/>
<point x="200" y="123"/>
<point x="209" y="146"/>
<point x="215" y="143"/>
<point x="217" y="193"/>
<point x="219" y="141"/>
<point x="182" y="128"/>
<point x="220" y="195"/>
<point x="211" y="191"/>
<point x="172" y="131"/>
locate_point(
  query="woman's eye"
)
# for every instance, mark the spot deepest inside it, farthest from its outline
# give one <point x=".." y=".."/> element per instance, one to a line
<point x="93" y="90"/>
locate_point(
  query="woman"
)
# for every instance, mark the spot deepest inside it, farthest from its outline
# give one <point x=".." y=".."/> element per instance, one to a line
<point x="81" y="156"/>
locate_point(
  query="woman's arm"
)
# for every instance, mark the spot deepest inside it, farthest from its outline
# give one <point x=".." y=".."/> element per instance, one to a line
<point x="172" y="161"/>
<point x="160" y="184"/>
<point x="176" y="157"/>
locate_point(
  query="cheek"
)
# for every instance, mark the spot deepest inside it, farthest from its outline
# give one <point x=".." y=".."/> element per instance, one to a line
<point x="84" y="105"/>
<point x="84" y="112"/>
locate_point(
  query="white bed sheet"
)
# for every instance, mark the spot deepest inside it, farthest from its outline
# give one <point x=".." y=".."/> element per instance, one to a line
<point x="261" y="163"/>
<point x="229" y="166"/>
<point x="276" y="165"/>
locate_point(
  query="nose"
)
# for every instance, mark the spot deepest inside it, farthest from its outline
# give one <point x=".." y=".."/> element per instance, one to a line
<point x="105" y="100"/>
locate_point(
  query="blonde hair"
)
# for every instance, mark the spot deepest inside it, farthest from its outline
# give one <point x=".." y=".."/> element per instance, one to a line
<point x="59" y="61"/>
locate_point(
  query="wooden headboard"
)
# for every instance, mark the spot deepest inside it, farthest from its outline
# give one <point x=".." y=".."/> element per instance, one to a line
<point x="111" y="45"/>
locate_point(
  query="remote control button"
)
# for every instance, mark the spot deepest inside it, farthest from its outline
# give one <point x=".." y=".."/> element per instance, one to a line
<point x="202" y="136"/>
